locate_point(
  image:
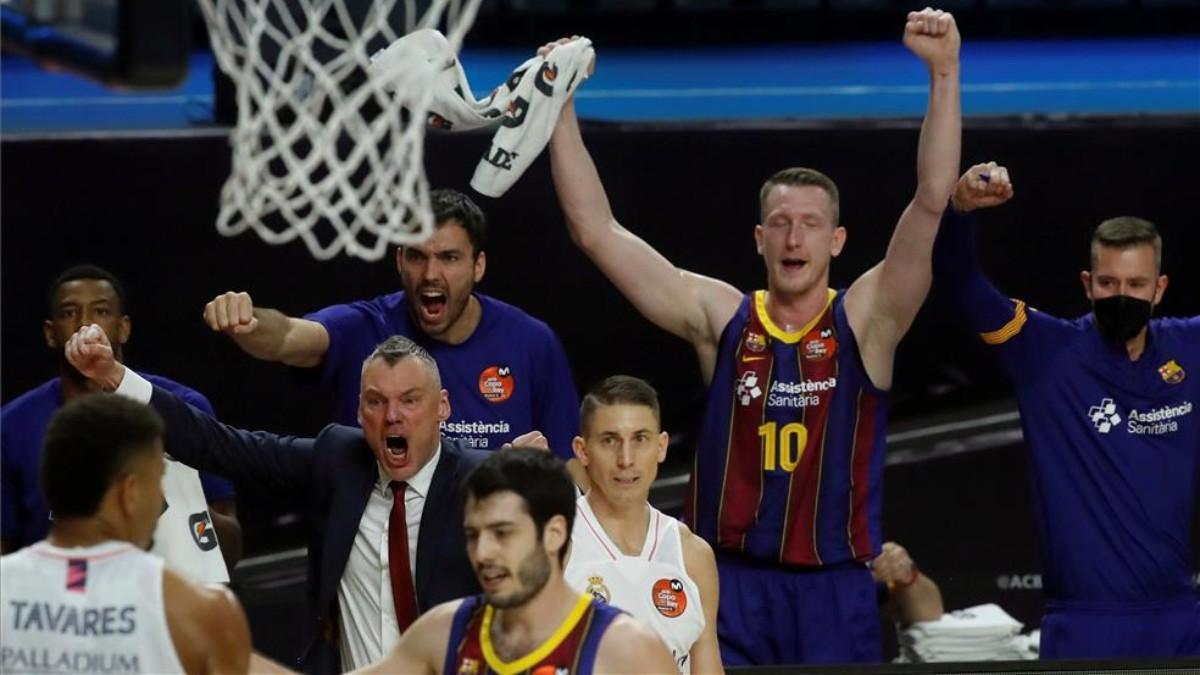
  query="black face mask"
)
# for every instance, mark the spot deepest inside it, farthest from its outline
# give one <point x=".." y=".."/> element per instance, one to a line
<point x="1121" y="317"/>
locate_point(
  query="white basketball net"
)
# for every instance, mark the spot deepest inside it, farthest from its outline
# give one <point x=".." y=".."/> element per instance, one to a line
<point x="321" y="151"/>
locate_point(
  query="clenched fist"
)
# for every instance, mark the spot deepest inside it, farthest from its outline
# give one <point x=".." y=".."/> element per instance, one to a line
<point x="231" y="313"/>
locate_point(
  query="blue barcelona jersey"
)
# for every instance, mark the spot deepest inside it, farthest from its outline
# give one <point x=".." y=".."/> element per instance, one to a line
<point x="790" y="460"/>
<point x="570" y="650"/>
<point x="1114" y="444"/>
<point x="509" y="377"/>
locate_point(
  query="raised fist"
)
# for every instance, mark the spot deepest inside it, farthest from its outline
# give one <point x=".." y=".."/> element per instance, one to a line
<point x="231" y="313"/>
<point x="90" y="352"/>
<point x="932" y="35"/>
<point x="982" y="186"/>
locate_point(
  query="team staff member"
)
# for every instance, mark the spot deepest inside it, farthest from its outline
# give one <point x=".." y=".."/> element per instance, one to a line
<point x="378" y="496"/>
<point x="1108" y="406"/>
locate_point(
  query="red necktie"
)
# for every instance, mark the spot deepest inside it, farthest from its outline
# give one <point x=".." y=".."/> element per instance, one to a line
<point x="403" y="593"/>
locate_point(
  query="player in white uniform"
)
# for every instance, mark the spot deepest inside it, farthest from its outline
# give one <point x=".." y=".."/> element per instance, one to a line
<point x="623" y="550"/>
<point x="89" y="598"/>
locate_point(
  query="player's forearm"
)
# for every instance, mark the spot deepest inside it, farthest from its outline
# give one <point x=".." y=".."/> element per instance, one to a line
<point x="905" y="272"/>
<point x="920" y="601"/>
<point x="939" y="149"/>
<point x="281" y="338"/>
<point x="580" y="192"/>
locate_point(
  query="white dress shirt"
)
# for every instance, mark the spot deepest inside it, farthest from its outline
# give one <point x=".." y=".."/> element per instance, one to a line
<point x="368" y="628"/>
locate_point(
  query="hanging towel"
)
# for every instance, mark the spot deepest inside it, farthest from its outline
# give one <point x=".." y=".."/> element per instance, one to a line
<point x="526" y="106"/>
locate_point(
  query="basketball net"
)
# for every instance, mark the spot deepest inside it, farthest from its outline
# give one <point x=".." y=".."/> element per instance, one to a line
<point x="321" y="151"/>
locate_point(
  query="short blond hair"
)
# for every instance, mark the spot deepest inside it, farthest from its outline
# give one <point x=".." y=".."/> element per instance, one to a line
<point x="799" y="175"/>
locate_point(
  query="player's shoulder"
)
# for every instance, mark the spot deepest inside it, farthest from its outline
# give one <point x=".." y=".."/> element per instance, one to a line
<point x="698" y="554"/>
<point x="45" y="396"/>
<point x="508" y="318"/>
<point x="1029" y="316"/>
<point x="379" y="307"/>
<point x="204" y="619"/>
<point x="1187" y="327"/>
<point x="691" y="541"/>
<point x="204" y="609"/>
<point x="432" y="629"/>
<point x="443" y="614"/>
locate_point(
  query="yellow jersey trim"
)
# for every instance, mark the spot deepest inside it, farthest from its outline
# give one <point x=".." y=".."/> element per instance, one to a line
<point x="1008" y="330"/>
<point x="760" y="306"/>
<point x="532" y="658"/>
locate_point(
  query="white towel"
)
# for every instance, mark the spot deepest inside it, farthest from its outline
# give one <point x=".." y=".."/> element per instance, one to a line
<point x="980" y="633"/>
<point x="526" y="106"/>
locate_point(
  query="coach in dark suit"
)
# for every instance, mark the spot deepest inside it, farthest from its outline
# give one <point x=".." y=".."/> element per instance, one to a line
<point x="351" y="479"/>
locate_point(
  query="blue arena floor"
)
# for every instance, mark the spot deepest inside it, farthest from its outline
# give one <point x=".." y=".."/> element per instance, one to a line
<point x="850" y="81"/>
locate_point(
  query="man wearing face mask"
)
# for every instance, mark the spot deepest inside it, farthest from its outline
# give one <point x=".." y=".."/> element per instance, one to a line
<point x="1110" y="417"/>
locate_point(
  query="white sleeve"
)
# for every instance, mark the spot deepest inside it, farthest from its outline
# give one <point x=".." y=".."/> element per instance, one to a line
<point x="135" y="386"/>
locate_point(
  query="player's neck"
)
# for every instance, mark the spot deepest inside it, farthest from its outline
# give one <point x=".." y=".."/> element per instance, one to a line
<point x="519" y="630"/>
<point x="466" y="323"/>
<point x="792" y="311"/>
<point x="625" y="524"/>
<point x="1136" y="346"/>
<point x="80" y="532"/>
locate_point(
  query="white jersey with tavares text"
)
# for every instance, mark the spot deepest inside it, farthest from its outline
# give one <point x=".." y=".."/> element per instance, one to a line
<point x="97" y="609"/>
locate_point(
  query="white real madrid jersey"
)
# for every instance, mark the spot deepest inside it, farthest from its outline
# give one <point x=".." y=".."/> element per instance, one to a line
<point x="97" y="609"/>
<point x="185" y="537"/>
<point x="653" y="586"/>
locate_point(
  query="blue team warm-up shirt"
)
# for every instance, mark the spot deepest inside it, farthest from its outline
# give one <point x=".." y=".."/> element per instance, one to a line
<point x="23" y="421"/>
<point x="511" y="376"/>
<point x="1114" y="443"/>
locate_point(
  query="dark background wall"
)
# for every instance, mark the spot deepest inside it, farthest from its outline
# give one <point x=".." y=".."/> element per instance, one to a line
<point x="145" y="207"/>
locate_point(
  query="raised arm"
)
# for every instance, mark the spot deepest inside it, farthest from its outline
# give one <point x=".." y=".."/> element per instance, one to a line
<point x="691" y="306"/>
<point x="882" y="304"/>
<point x="1022" y="339"/>
<point x="267" y="334"/>
<point x="280" y="463"/>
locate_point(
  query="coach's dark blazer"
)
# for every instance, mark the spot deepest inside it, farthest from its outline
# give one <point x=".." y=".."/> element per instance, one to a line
<point x="334" y="474"/>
